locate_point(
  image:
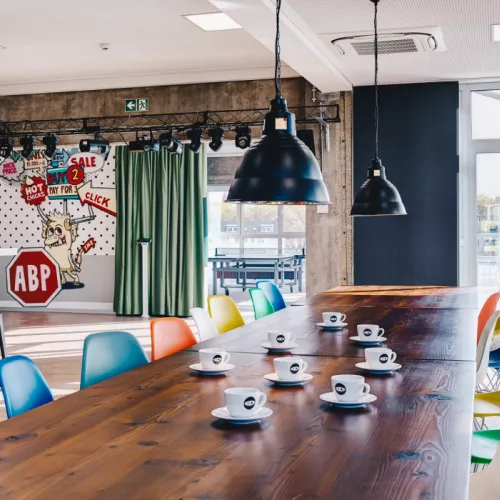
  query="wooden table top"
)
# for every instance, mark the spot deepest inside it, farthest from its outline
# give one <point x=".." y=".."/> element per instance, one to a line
<point x="149" y="434"/>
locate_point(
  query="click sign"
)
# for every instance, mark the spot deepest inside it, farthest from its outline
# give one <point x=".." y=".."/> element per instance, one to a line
<point x="132" y="105"/>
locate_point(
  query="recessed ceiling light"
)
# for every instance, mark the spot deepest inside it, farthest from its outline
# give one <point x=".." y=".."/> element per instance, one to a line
<point x="216" y="21"/>
<point x="2" y="47"/>
<point x="496" y="32"/>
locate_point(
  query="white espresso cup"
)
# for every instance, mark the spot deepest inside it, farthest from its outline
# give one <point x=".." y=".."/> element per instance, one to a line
<point x="349" y="387"/>
<point x="244" y="401"/>
<point x="379" y="357"/>
<point x="213" y="358"/>
<point x="333" y="318"/>
<point x="370" y="332"/>
<point x="280" y="338"/>
<point x="290" y="368"/>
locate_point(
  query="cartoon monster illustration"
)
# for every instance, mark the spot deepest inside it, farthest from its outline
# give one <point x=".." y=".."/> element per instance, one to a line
<point x="59" y="234"/>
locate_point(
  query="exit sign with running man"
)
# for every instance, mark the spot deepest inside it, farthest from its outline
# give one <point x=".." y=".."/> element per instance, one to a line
<point x="132" y="105"/>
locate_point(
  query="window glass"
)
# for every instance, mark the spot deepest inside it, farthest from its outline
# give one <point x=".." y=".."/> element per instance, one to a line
<point x="485" y="114"/>
<point x="259" y="219"/>
<point x="294" y="219"/>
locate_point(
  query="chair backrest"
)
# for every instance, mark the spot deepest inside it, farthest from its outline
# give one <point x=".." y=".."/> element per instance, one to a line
<point x="108" y="354"/>
<point x="204" y="323"/>
<point x="273" y="294"/>
<point x="489" y="307"/>
<point x="483" y="347"/>
<point x="168" y="336"/>
<point x="485" y="484"/>
<point x="23" y="385"/>
<point x="225" y="313"/>
<point x="261" y="305"/>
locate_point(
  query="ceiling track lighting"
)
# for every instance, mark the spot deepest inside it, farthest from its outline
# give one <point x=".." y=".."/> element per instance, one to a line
<point x="28" y="143"/>
<point x="280" y="168"/>
<point x="143" y="144"/>
<point x="216" y="134"/>
<point x="243" y="138"/>
<point x="194" y="134"/>
<point x="6" y="146"/>
<point x="170" y="143"/>
<point x="98" y="146"/>
<point x="377" y="196"/>
<point x="50" y="141"/>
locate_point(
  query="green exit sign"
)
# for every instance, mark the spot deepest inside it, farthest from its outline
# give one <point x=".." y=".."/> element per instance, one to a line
<point x="133" y="105"/>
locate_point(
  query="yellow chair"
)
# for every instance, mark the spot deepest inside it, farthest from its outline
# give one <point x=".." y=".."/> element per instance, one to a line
<point x="225" y="313"/>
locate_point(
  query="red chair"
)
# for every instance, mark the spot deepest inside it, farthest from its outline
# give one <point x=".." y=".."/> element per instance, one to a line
<point x="168" y="336"/>
<point x="489" y="307"/>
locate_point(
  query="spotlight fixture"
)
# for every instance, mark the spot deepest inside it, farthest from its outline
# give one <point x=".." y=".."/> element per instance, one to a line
<point x="280" y="168"/>
<point x="51" y="141"/>
<point x="143" y="144"/>
<point x="97" y="146"/>
<point x="377" y="196"/>
<point x="216" y="134"/>
<point x="28" y="144"/>
<point x="243" y="137"/>
<point x="195" y="134"/>
<point x="6" y="145"/>
<point x="170" y="143"/>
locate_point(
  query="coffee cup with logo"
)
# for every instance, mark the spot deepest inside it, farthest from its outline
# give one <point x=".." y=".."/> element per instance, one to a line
<point x="379" y="357"/>
<point x="244" y="401"/>
<point x="280" y="338"/>
<point x="290" y="368"/>
<point x="333" y="318"/>
<point x="370" y="332"/>
<point x="349" y="388"/>
<point x="211" y="359"/>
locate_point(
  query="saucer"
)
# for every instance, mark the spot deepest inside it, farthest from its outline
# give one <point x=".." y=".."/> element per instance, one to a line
<point x="379" y="371"/>
<point x="273" y="377"/>
<point x="284" y="348"/>
<point x="331" y="397"/>
<point x="359" y="340"/>
<point x="214" y="371"/>
<point x="224" y="414"/>
<point x="331" y="327"/>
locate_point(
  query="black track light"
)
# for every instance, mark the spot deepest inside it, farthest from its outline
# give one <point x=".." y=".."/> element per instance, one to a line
<point x="97" y="146"/>
<point x="28" y="144"/>
<point x="6" y="145"/>
<point x="50" y="141"/>
<point x="170" y="143"/>
<point x="243" y="137"/>
<point x="216" y="134"/>
<point x="195" y="134"/>
<point x="144" y="144"/>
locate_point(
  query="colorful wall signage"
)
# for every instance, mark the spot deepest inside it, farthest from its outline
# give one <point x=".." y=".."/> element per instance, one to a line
<point x="34" y="190"/>
<point x="102" y="198"/>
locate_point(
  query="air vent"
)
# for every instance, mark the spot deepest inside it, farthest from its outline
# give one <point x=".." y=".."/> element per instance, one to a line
<point x="385" y="47"/>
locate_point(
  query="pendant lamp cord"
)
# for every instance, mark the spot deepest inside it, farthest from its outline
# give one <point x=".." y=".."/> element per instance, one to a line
<point x="277" y="64"/>
<point x="375" y="25"/>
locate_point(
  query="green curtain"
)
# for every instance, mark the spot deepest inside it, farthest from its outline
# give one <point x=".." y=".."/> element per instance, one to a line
<point x="160" y="196"/>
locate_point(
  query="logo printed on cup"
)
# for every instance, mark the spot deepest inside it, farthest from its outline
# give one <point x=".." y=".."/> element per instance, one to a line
<point x="295" y="368"/>
<point x="333" y="319"/>
<point x="367" y="332"/>
<point x="340" y="388"/>
<point x="280" y="339"/>
<point x="384" y="358"/>
<point x="217" y="359"/>
<point x="249" y="403"/>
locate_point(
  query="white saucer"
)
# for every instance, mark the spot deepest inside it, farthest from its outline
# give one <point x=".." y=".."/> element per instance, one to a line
<point x="380" y="371"/>
<point x="331" y="397"/>
<point x="359" y="340"/>
<point x="215" y="371"/>
<point x="283" y="348"/>
<point x="332" y="327"/>
<point x="273" y="377"/>
<point x="224" y="414"/>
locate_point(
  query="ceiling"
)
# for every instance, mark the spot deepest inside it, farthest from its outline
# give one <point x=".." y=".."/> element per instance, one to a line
<point x="54" y="46"/>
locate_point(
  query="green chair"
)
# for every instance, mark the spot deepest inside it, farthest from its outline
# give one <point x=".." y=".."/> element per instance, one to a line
<point x="484" y="446"/>
<point x="261" y="305"/>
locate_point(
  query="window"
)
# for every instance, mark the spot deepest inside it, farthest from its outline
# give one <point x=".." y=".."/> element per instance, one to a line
<point x="231" y="228"/>
<point x="267" y="228"/>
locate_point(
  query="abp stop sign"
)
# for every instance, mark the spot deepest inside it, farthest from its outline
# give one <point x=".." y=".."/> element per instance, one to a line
<point x="33" y="277"/>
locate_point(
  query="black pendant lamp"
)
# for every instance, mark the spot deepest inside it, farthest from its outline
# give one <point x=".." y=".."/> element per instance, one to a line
<point x="377" y="196"/>
<point x="280" y="168"/>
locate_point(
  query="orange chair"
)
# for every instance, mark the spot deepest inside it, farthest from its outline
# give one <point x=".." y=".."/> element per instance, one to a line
<point x="489" y="307"/>
<point x="168" y="336"/>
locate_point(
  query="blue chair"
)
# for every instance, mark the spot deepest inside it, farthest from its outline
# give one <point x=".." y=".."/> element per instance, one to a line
<point x="108" y="354"/>
<point x="273" y="294"/>
<point x="23" y="385"/>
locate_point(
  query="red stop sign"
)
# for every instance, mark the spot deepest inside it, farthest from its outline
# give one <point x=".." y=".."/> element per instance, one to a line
<point x="33" y="277"/>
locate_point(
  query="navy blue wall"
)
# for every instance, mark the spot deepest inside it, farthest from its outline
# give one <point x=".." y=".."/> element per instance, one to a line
<point x="418" y="147"/>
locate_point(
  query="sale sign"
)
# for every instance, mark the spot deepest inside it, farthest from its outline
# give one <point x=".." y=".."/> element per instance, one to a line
<point x="90" y="162"/>
<point x="33" y="277"/>
<point x="58" y="186"/>
<point x="12" y="168"/>
<point x="102" y="198"/>
<point x="36" y="161"/>
<point x="34" y="190"/>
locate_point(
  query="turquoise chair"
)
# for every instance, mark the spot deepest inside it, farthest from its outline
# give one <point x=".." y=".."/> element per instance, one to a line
<point x="23" y="385"/>
<point x="261" y="305"/>
<point x="273" y="294"/>
<point x="108" y="354"/>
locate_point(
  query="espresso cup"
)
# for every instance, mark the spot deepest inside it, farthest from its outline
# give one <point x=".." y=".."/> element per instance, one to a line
<point x="213" y="358"/>
<point x="244" y="401"/>
<point x="290" y="368"/>
<point x="349" y="387"/>
<point x="379" y="357"/>
<point x="333" y="318"/>
<point x="370" y="332"/>
<point x="280" y="338"/>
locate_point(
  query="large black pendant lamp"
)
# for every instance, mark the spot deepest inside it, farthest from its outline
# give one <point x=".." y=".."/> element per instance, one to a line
<point x="377" y="196"/>
<point x="280" y="168"/>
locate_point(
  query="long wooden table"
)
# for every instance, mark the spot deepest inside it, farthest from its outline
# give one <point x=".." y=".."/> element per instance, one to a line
<point x="148" y="433"/>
